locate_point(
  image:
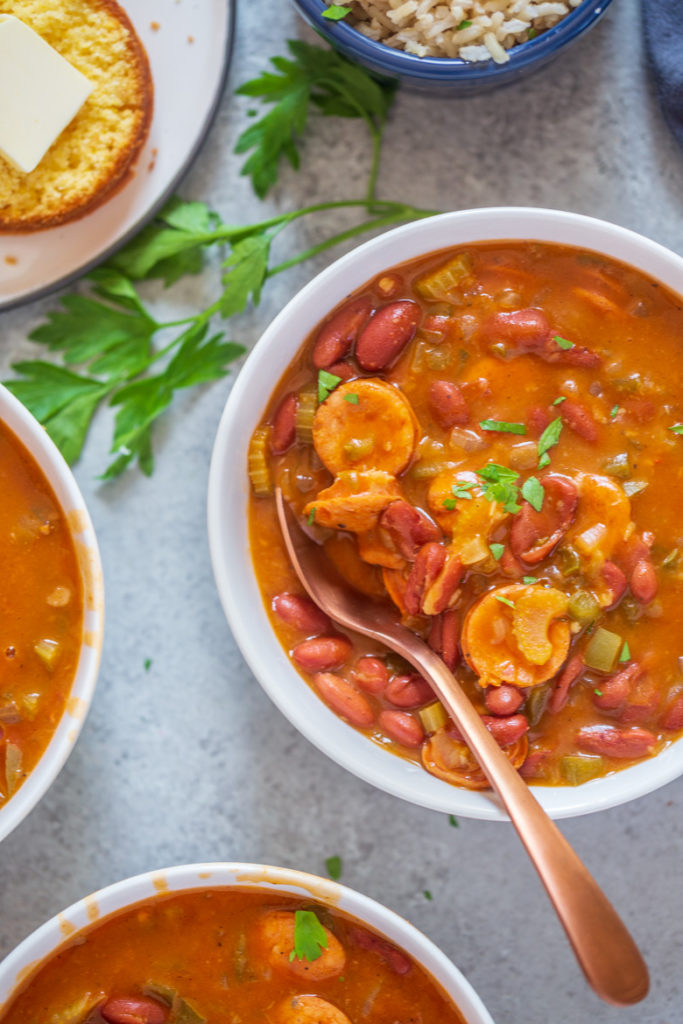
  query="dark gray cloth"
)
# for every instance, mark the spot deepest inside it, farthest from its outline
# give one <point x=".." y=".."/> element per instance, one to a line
<point x="664" y="34"/>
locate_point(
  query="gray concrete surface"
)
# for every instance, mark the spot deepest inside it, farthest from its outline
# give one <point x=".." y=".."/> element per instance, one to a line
<point x="190" y="761"/>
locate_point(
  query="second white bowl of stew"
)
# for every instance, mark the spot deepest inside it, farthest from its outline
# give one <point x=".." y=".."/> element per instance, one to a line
<point x="247" y="943"/>
<point x="479" y="418"/>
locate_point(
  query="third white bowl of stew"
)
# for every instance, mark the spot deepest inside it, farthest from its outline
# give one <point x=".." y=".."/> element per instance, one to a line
<point x="479" y="418"/>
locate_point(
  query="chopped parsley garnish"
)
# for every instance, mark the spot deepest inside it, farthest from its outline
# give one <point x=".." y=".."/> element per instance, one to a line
<point x="351" y="397"/>
<point x="503" y="426"/>
<point x="625" y="652"/>
<point x="547" y="440"/>
<point x="533" y="491"/>
<point x="497" y="550"/>
<point x="529" y="579"/>
<point x="531" y="34"/>
<point x="335" y="12"/>
<point x="460" y="490"/>
<point x="309" y="937"/>
<point x="453" y="821"/>
<point x="614" y="411"/>
<point x="677" y="428"/>
<point x="560" y="400"/>
<point x="428" y="895"/>
<point x="598" y="693"/>
<point x="311" y="516"/>
<point x="563" y="343"/>
<point x="147" y="664"/>
<point x="501" y="486"/>
<point x="462" y="25"/>
<point x="504" y="600"/>
<point x="327" y="382"/>
<point x="333" y="866"/>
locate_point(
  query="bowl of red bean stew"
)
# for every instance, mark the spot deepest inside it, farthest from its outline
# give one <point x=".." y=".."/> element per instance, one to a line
<point x="205" y="944"/>
<point x="52" y="612"/>
<point x="478" y="417"/>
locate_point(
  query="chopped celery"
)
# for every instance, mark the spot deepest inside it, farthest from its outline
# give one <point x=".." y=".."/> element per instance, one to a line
<point x="602" y="650"/>
<point x="433" y="717"/>
<point x="631" y="609"/>
<point x="633" y="487"/>
<point x="440" y="284"/>
<point x="583" y="607"/>
<point x="569" y="561"/>
<point x="630" y="385"/>
<point x="358" y="448"/>
<point x="500" y="350"/>
<point x="439" y="358"/>
<point x="29" y="703"/>
<point x="48" y="652"/>
<point x="578" y="768"/>
<point x="536" y="703"/>
<point x="78" y="1011"/>
<point x="671" y="560"/>
<point x="426" y="469"/>
<point x="305" y="411"/>
<point x="619" y="465"/>
<point x="13" y="762"/>
<point x="181" y="1011"/>
<point x="257" y="463"/>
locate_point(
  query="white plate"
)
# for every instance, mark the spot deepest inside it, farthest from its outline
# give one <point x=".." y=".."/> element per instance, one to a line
<point x="189" y="53"/>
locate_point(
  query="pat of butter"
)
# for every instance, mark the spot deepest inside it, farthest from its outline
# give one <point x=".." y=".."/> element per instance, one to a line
<point x="40" y="93"/>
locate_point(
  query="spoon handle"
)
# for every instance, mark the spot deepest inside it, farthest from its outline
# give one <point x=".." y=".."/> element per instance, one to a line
<point x="607" y="954"/>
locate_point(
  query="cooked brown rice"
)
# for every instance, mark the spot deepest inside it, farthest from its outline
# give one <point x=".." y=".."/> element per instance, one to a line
<point x="470" y="29"/>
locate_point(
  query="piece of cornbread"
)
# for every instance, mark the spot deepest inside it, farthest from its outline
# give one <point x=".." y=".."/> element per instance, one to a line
<point x="96" y="150"/>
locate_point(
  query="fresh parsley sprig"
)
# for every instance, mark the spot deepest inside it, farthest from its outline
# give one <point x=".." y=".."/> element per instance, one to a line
<point x="319" y="77"/>
<point x="310" y="938"/>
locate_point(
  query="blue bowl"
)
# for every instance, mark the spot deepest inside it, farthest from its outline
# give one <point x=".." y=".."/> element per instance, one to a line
<point x="450" y="74"/>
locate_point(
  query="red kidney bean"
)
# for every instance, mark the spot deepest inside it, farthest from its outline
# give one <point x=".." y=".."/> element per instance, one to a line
<point x="342" y="370"/>
<point x="644" y="584"/>
<point x="534" y="534"/>
<point x="388" y="332"/>
<point x="537" y="420"/>
<point x="642" y="702"/>
<point x="506" y="730"/>
<point x="577" y="356"/>
<point x="525" y="329"/>
<point x="503" y="700"/>
<point x="448" y="404"/>
<point x="616" y="581"/>
<point x="371" y="674"/>
<point x="322" y="653"/>
<point x="399" y="963"/>
<point x="437" y="323"/>
<point x="134" y="1010"/>
<point x="642" y="410"/>
<point x="401" y="727"/>
<point x="300" y="612"/>
<point x="566" y="679"/>
<point x="579" y="419"/>
<point x="610" y="741"/>
<point x="408" y="691"/>
<point x="343" y="697"/>
<point x="532" y="767"/>
<point x="428" y="564"/>
<point x="284" y="425"/>
<point x="336" y="337"/>
<point x="636" y="549"/>
<point x="443" y="637"/>
<point x="615" y="690"/>
<point x="672" y="719"/>
<point x="408" y="527"/>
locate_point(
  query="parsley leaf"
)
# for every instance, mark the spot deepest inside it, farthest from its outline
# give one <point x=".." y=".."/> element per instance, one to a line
<point x="497" y="551"/>
<point x="427" y="895"/>
<point x="625" y="652"/>
<point x="462" y="25"/>
<point x="453" y="821"/>
<point x="333" y="866"/>
<point x="563" y="343"/>
<point x="547" y="440"/>
<point x="335" y="12"/>
<point x="246" y="268"/>
<point x="533" y="492"/>
<point x="560" y="400"/>
<point x="503" y="427"/>
<point x="529" y="579"/>
<point x="351" y="398"/>
<point x="171" y="245"/>
<point x="327" y="382"/>
<point x="677" y="428"/>
<point x="147" y="664"/>
<point x="614" y="412"/>
<point x="501" y="486"/>
<point x="311" y="516"/>
<point x="310" y="938"/>
<point x="504" y="600"/>
<point x="317" y="76"/>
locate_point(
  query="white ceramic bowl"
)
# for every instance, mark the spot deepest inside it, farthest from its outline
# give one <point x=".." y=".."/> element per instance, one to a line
<point x="45" y="940"/>
<point x="229" y="492"/>
<point x="34" y="438"/>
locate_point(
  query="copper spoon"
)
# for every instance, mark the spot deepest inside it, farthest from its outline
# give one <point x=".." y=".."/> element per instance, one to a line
<point x="604" y="948"/>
